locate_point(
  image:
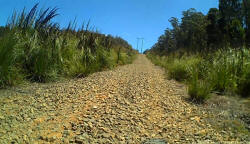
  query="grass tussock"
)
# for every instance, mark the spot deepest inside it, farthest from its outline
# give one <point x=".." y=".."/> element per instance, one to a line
<point x="9" y="73"/>
<point x="36" y="49"/>
<point x="224" y="71"/>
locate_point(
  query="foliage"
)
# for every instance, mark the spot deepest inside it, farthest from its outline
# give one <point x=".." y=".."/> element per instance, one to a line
<point x="226" y="27"/>
<point x="246" y="20"/>
<point x="221" y="71"/>
<point x="178" y="69"/>
<point x="244" y="84"/>
<point x="198" y="90"/>
<point x="9" y="74"/>
<point x="2" y="31"/>
<point x="217" y="42"/>
<point x="35" y="48"/>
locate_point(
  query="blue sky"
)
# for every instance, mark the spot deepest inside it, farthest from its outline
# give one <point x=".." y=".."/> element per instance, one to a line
<point x="129" y="19"/>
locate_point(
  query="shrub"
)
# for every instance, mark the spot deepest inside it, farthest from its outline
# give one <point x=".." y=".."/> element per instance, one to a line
<point x="177" y="70"/>
<point x="9" y="73"/>
<point x="223" y="70"/>
<point x="34" y="48"/>
<point x="157" y="60"/>
<point x="220" y="78"/>
<point x="123" y="58"/>
<point x="244" y="83"/>
<point x="104" y="59"/>
<point x="198" y="90"/>
<point x="40" y="61"/>
<point x="72" y="63"/>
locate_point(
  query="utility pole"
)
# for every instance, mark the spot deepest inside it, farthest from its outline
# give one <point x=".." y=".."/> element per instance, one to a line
<point x="137" y="44"/>
<point x="138" y="39"/>
<point x="142" y="44"/>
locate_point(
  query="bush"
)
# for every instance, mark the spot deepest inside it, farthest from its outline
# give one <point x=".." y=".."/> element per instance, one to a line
<point x="123" y="58"/>
<point x="72" y="63"/>
<point x="244" y="83"/>
<point x="198" y="90"/>
<point x="9" y="73"/>
<point x="34" y="48"/>
<point x="220" y="78"/>
<point x="220" y="71"/>
<point x="40" y="61"/>
<point x="157" y="60"/>
<point x="177" y="70"/>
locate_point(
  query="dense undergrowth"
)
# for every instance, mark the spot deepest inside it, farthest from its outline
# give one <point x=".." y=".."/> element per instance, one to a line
<point x="34" y="48"/>
<point x="224" y="71"/>
<point x="210" y="52"/>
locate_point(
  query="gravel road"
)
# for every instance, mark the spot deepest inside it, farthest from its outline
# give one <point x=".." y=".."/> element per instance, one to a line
<point x="131" y="104"/>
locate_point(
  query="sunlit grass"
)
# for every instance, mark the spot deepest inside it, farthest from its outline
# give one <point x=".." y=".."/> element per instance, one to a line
<point x="36" y="49"/>
<point x="221" y="72"/>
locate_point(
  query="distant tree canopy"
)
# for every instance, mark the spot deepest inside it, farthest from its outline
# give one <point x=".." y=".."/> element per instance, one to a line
<point x="2" y="30"/>
<point x="221" y="28"/>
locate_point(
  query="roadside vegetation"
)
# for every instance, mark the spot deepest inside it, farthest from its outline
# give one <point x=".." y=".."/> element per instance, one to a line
<point x="33" y="48"/>
<point x="210" y="53"/>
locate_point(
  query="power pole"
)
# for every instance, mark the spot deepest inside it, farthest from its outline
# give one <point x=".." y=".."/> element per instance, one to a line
<point x="138" y="39"/>
<point x="142" y="44"/>
<point x="137" y="44"/>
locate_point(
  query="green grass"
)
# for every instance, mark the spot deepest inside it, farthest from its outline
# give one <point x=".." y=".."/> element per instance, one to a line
<point x="224" y="71"/>
<point x="35" y="49"/>
<point x="244" y="83"/>
<point x="9" y="73"/>
<point x="199" y="90"/>
<point x="177" y="68"/>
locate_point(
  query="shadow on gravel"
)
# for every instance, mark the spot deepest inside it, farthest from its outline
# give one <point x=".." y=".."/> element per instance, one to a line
<point x="228" y="114"/>
<point x="154" y="141"/>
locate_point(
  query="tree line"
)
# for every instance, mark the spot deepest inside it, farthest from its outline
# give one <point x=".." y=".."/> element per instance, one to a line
<point x="222" y="28"/>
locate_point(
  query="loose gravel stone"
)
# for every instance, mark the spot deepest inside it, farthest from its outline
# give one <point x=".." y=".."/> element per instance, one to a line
<point x="130" y="104"/>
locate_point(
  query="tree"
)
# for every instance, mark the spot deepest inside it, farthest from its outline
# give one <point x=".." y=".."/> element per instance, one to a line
<point x="193" y="29"/>
<point x="231" y="21"/>
<point x="246" y="17"/>
<point x="214" y="34"/>
<point x="237" y="33"/>
<point x="231" y="9"/>
<point x="189" y="35"/>
<point x="2" y="30"/>
<point x="175" y="32"/>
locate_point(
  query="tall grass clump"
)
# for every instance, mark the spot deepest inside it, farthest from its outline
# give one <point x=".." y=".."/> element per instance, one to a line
<point x="9" y="73"/>
<point x="223" y="71"/>
<point x="37" y="43"/>
<point x="36" y="49"/>
<point x="228" y="70"/>
<point x="243" y="83"/>
<point x="198" y="89"/>
<point x="158" y="60"/>
<point x="177" y="68"/>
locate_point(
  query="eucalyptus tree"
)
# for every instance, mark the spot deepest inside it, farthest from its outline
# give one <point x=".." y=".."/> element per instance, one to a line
<point x="193" y="31"/>
<point x="214" y="35"/>
<point x="231" y="22"/>
<point x="246" y="17"/>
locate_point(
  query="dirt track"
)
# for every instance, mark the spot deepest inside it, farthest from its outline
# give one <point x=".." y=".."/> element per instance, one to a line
<point x="131" y="104"/>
